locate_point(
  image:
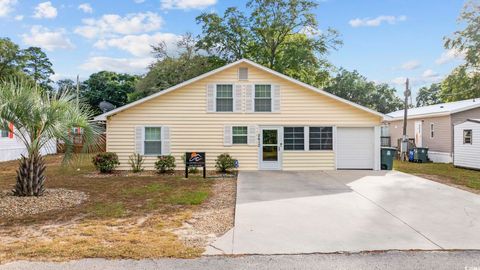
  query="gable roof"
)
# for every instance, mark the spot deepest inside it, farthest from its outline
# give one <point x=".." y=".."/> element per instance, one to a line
<point x="104" y="116"/>
<point x="438" y="109"/>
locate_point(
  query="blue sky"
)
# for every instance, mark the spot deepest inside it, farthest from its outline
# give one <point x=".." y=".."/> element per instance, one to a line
<point x="385" y="40"/>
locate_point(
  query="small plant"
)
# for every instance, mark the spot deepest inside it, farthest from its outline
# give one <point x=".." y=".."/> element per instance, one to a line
<point x="165" y="164"/>
<point x="136" y="161"/>
<point x="224" y="162"/>
<point x="193" y="170"/>
<point x="105" y="162"/>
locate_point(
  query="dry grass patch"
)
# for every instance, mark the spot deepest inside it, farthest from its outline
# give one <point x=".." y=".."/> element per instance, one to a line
<point x="125" y="215"/>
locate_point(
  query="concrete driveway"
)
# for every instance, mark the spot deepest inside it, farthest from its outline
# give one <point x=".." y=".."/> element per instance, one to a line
<point x="306" y="212"/>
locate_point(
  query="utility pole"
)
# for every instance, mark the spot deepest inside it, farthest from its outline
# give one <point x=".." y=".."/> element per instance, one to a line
<point x="404" y="145"/>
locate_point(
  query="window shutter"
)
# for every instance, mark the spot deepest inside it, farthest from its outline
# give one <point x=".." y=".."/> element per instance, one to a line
<point x="210" y="98"/>
<point x="10" y="130"/>
<point x="238" y="98"/>
<point x="166" y="140"/>
<point x="276" y="98"/>
<point x="249" y="98"/>
<point x="227" y="135"/>
<point x="306" y="138"/>
<point x="139" y="130"/>
<point x="252" y="135"/>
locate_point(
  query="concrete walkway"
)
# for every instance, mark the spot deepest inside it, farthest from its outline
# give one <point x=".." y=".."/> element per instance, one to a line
<point x="307" y="212"/>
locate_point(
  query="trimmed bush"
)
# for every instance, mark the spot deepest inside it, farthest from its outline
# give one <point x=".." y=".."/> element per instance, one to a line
<point x="105" y="162"/>
<point x="224" y="163"/>
<point x="136" y="162"/>
<point x="165" y="164"/>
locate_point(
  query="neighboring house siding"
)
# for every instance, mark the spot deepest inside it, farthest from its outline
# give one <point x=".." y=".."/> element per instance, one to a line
<point x="12" y="148"/>
<point x="467" y="155"/>
<point x="192" y="128"/>
<point x="460" y="117"/>
<point x="441" y="142"/>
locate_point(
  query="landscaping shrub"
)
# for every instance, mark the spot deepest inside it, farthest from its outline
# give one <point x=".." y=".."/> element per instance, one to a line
<point x="165" y="164"/>
<point x="224" y="162"/>
<point x="106" y="162"/>
<point x="136" y="161"/>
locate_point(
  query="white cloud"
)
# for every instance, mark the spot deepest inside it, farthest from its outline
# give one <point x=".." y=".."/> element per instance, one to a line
<point x="411" y="65"/>
<point x="376" y="21"/>
<point x="428" y="73"/>
<point x="124" y="65"/>
<point x="399" y="80"/>
<point x="6" y="6"/>
<point x="138" y="1"/>
<point x="47" y="39"/>
<point x="111" y="24"/>
<point x="18" y="18"/>
<point x="449" y="56"/>
<point x="139" y="45"/>
<point x="45" y="10"/>
<point x="85" y="7"/>
<point x="428" y="76"/>
<point x="187" y="4"/>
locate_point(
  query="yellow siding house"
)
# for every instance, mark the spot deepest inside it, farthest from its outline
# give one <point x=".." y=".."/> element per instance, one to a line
<point x="264" y="119"/>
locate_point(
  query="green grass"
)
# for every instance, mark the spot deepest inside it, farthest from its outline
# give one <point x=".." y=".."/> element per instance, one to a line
<point x="188" y="197"/>
<point x="458" y="176"/>
<point x="148" y="189"/>
<point x="109" y="210"/>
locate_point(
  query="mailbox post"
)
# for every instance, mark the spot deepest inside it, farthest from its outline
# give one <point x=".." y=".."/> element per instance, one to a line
<point x="195" y="159"/>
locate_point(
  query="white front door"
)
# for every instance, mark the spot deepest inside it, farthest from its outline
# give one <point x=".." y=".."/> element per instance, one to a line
<point x="270" y="153"/>
<point x="418" y="133"/>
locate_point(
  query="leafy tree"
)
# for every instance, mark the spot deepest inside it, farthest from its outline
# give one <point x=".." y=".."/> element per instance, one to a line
<point x="460" y="84"/>
<point x="11" y="59"/>
<point x="37" y="65"/>
<point x="39" y="117"/>
<point x="170" y="70"/>
<point x="282" y="35"/>
<point x="352" y="86"/>
<point x="108" y="86"/>
<point x="429" y="95"/>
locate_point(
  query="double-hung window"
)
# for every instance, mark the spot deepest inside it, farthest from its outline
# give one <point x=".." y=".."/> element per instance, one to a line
<point x="239" y="135"/>
<point x="293" y="138"/>
<point x="224" y="98"/>
<point x="153" y="141"/>
<point x="263" y="98"/>
<point x="3" y="133"/>
<point x="321" y="138"/>
<point x="467" y="136"/>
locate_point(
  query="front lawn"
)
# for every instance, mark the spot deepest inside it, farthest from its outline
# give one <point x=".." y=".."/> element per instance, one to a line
<point x="125" y="215"/>
<point x="444" y="173"/>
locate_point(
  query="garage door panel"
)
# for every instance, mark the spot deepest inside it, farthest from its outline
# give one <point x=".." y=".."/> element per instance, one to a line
<point x="355" y="148"/>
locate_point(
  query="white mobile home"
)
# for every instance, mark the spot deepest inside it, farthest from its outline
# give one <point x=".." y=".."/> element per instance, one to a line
<point x="467" y="144"/>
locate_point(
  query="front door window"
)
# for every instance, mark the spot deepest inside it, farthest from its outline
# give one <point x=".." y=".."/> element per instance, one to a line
<point x="270" y="145"/>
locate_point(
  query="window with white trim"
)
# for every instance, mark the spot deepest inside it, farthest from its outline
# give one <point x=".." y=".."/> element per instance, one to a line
<point x="263" y="98"/>
<point x="224" y="98"/>
<point x="432" y="130"/>
<point x="467" y="136"/>
<point x="239" y="135"/>
<point x="320" y="138"/>
<point x="293" y="138"/>
<point x="153" y="141"/>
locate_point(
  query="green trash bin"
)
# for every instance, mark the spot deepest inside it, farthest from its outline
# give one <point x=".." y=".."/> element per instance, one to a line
<point x="387" y="156"/>
<point x="420" y="154"/>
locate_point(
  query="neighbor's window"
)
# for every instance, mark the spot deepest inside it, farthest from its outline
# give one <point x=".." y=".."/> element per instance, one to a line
<point x="224" y="98"/>
<point x="293" y="138"/>
<point x="153" y="141"/>
<point x="467" y="136"/>
<point x="240" y="135"/>
<point x="321" y="138"/>
<point x="263" y="98"/>
<point x="3" y="133"/>
<point x="432" y="131"/>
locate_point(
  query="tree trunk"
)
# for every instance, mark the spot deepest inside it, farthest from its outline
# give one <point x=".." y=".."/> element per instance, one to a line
<point x="30" y="176"/>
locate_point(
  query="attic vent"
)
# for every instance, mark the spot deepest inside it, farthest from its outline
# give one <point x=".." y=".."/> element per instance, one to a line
<point x="243" y="74"/>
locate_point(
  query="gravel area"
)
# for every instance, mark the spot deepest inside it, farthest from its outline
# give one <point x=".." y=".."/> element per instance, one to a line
<point x="53" y="199"/>
<point x="214" y="217"/>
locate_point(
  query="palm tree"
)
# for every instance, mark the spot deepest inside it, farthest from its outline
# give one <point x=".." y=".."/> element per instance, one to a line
<point x="40" y="117"/>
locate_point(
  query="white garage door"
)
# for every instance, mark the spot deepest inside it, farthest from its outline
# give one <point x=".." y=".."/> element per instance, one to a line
<point x="355" y="148"/>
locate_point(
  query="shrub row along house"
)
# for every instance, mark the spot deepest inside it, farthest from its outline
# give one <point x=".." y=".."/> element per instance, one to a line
<point x="266" y="120"/>
<point x="432" y="126"/>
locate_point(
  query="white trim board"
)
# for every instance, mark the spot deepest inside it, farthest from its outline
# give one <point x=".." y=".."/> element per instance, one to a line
<point x="104" y="116"/>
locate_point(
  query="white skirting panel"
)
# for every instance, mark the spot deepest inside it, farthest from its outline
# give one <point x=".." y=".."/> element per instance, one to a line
<point x="440" y="157"/>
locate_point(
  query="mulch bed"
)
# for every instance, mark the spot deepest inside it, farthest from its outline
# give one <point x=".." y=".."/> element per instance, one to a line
<point x="179" y="173"/>
<point x="53" y="199"/>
